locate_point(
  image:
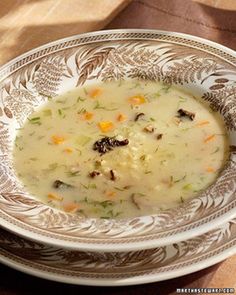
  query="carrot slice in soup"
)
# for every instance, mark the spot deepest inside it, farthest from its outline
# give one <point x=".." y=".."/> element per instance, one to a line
<point x="210" y="170"/>
<point x="57" y="139"/>
<point x="121" y="118"/>
<point x="68" y="150"/>
<point x="54" y="197"/>
<point x="209" y="138"/>
<point x="70" y="207"/>
<point x="110" y="194"/>
<point x="95" y="92"/>
<point x="202" y="123"/>
<point x="87" y="116"/>
<point x="136" y="99"/>
<point x="106" y="126"/>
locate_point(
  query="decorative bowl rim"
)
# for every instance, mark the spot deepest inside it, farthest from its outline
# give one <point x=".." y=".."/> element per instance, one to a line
<point x="150" y="240"/>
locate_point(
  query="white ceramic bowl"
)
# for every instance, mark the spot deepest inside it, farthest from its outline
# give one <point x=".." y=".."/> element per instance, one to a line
<point x="204" y="67"/>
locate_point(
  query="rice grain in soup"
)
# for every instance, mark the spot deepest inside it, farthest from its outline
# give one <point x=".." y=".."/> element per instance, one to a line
<point x="120" y="149"/>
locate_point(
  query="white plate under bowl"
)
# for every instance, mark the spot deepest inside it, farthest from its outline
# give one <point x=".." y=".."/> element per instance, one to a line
<point x="117" y="268"/>
<point x="205" y="68"/>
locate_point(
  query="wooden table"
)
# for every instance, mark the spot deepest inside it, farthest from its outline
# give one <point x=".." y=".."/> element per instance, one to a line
<point x="25" y="24"/>
<point x="222" y="4"/>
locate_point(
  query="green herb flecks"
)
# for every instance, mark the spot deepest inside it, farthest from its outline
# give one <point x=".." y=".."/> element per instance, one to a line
<point x="85" y="200"/>
<point x="33" y="159"/>
<point x="89" y="186"/>
<point x="47" y="113"/>
<point x="135" y="85"/>
<point x="35" y="120"/>
<point x="163" y="162"/>
<point x="61" y="101"/>
<point x="118" y="189"/>
<point x="17" y="144"/>
<point x="81" y="111"/>
<point x="215" y="151"/>
<point x="156" y="149"/>
<point x="104" y="204"/>
<point x="182" y="99"/>
<point x="80" y="99"/>
<point x="61" y="113"/>
<point x="156" y="95"/>
<point x="41" y="137"/>
<point x="202" y="178"/>
<point x="181" y="199"/>
<point x="187" y="187"/>
<point x="147" y="172"/>
<point x="98" y="106"/>
<point x="111" y="214"/>
<point x="51" y="167"/>
<point x="72" y="173"/>
<point x="185" y="129"/>
<point x="166" y="88"/>
<point x="180" y="179"/>
<point x="79" y="151"/>
<point x="143" y="157"/>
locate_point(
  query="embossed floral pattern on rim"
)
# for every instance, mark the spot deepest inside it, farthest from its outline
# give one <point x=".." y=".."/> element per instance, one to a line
<point x="203" y="66"/>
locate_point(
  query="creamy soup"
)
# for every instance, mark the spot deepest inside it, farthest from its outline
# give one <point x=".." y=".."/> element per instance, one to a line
<point x="120" y="149"/>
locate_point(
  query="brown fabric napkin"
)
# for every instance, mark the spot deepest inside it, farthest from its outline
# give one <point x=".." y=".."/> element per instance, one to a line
<point x="184" y="16"/>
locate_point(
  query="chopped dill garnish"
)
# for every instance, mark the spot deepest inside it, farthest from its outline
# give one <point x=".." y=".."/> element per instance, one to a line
<point x="90" y="185"/>
<point x="180" y="179"/>
<point x="187" y="187"/>
<point x="143" y="158"/>
<point x="166" y="88"/>
<point x="182" y="99"/>
<point x="52" y="166"/>
<point x="215" y="151"/>
<point x="61" y="101"/>
<point x="135" y="85"/>
<point x="119" y="189"/>
<point x="104" y="204"/>
<point x="33" y="159"/>
<point x="81" y="111"/>
<point x="72" y="174"/>
<point x="47" y="113"/>
<point x="35" y="121"/>
<point x="157" y="148"/>
<point x="148" y="172"/>
<point x="61" y="113"/>
<point x="80" y="99"/>
<point x="98" y="106"/>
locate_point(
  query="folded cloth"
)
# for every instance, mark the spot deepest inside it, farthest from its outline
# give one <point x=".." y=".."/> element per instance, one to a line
<point x="184" y="16"/>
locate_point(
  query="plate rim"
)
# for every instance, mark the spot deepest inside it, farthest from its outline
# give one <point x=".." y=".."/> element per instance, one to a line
<point x="17" y="263"/>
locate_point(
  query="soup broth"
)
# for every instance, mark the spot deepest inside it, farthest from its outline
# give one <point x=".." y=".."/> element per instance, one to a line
<point x="120" y="149"/>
